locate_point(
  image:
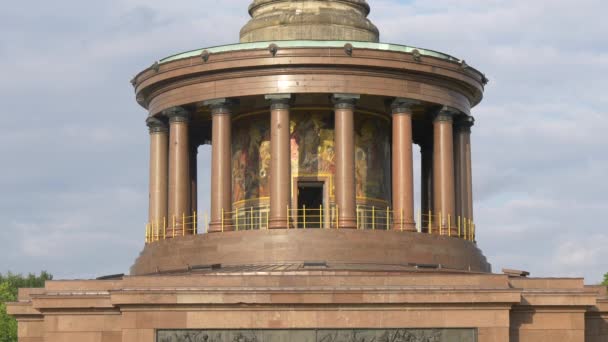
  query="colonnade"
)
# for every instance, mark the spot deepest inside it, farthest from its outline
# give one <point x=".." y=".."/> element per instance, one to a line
<point x="446" y="165"/>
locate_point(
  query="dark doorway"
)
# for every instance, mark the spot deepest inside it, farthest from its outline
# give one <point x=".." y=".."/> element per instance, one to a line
<point x="310" y="204"/>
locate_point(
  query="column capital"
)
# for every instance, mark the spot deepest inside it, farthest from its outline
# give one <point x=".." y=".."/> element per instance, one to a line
<point x="403" y="106"/>
<point x="345" y="101"/>
<point x="177" y="114"/>
<point x="446" y="114"/>
<point x="156" y="125"/>
<point x="278" y="101"/>
<point x="220" y="106"/>
<point x="464" y="122"/>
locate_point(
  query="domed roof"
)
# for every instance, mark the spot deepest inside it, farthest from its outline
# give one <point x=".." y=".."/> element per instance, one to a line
<point x="309" y="20"/>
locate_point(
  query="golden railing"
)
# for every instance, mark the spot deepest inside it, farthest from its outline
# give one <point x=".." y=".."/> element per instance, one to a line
<point x="368" y="218"/>
<point x="251" y="218"/>
<point x="177" y="226"/>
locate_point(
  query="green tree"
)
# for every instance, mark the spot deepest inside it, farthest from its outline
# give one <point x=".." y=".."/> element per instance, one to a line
<point x="605" y="282"/>
<point x="9" y="287"/>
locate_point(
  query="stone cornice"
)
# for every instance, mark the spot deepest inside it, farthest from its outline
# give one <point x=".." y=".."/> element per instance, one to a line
<point x="557" y="298"/>
<point x="22" y="309"/>
<point x="324" y="296"/>
<point x="320" y="55"/>
<point x="464" y="87"/>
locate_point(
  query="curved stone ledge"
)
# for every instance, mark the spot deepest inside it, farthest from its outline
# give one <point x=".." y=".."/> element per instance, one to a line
<point x="190" y="80"/>
<point x="380" y="249"/>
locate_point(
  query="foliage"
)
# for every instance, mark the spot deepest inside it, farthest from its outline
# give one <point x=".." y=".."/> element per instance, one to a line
<point x="605" y="282"/>
<point x="9" y="286"/>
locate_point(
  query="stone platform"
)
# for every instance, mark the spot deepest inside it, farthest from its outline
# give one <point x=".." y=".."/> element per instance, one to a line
<point x="369" y="249"/>
<point x="426" y="305"/>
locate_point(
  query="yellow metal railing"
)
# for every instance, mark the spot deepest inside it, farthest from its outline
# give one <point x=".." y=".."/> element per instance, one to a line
<point x="177" y="226"/>
<point x="446" y="225"/>
<point x="308" y="218"/>
<point x="374" y="218"/>
<point x="368" y="218"/>
<point x="251" y="218"/>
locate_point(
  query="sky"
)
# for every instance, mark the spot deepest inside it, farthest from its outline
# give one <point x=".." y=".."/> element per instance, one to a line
<point x="74" y="145"/>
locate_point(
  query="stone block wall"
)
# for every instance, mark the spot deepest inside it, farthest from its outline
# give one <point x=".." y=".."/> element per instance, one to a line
<point x="495" y="307"/>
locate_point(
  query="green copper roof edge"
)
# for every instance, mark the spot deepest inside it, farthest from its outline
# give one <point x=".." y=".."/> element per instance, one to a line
<point x="310" y="43"/>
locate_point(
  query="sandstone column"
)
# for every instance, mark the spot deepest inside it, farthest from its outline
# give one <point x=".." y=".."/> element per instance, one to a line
<point x="459" y="203"/>
<point x="443" y="172"/>
<point x="345" y="160"/>
<point x="280" y="162"/>
<point x="463" y="129"/>
<point x="179" y="171"/>
<point x="426" y="178"/>
<point x="221" y="166"/>
<point x="159" y="145"/>
<point x="403" y="166"/>
<point x="194" y="176"/>
<point x="462" y="166"/>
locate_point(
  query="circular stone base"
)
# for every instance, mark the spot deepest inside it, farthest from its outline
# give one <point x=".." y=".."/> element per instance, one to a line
<point x="375" y="249"/>
<point x="309" y="20"/>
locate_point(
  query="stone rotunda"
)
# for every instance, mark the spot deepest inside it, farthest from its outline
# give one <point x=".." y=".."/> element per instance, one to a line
<point x="312" y="124"/>
<point x="312" y="233"/>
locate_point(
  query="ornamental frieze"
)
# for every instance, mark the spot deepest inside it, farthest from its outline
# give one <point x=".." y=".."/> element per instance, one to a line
<point x="319" y="335"/>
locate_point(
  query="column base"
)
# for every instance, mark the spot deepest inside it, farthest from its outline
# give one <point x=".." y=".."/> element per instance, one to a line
<point x="218" y="227"/>
<point x="445" y="231"/>
<point x="347" y="223"/>
<point x="278" y="223"/>
<point x="178" y="231"/>
<point x="404" y="226"/>
<point x="173" y="233"/>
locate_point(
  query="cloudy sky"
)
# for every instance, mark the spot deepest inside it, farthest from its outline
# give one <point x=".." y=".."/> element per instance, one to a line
<point x="74" y="146"/>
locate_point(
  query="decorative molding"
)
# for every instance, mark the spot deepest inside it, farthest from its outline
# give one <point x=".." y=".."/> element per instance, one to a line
<point x="464" y="88"/>
<point x="319" y="335"/>
<point x="348" y="49"/>
<point x="416" y="55"/>
<point x="464" y="65"/>
<point x="141" y="99"/>
<point x="273" y="48"/>
<point x="205" y="56"/>
<point x="484" y="80"/>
